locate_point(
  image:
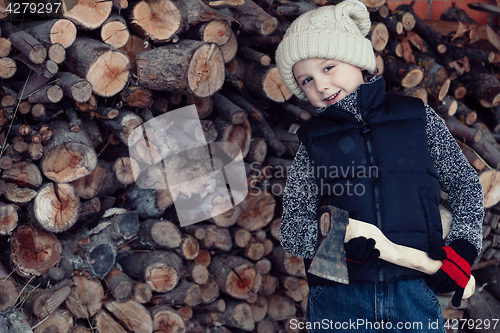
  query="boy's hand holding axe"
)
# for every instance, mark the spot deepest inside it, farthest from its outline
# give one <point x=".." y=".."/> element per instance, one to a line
<point x="449" y="267"/>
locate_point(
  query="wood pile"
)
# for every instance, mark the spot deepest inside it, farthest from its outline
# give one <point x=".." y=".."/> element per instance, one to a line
<point x="88" y="250"/>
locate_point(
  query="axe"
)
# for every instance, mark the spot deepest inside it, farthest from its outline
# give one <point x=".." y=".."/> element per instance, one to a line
<point x="336" y="228"/>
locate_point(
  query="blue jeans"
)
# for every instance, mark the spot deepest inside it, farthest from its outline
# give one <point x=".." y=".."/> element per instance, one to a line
<point x="399" y="306"/>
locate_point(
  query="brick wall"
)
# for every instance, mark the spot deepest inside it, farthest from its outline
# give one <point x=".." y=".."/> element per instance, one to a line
<point x="432" y="9"/>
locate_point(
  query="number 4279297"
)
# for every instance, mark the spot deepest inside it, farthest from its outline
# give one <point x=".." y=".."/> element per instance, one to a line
<point x="33" y="8"/>
<point x="476" y="324"/>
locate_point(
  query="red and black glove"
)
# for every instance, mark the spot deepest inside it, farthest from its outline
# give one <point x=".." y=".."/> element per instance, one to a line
<point x="361" y="250"/>
<point x="457" y="258"/>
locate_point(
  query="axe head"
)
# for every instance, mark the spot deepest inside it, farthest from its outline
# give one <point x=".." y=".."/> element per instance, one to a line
<point x="329" y="261"/>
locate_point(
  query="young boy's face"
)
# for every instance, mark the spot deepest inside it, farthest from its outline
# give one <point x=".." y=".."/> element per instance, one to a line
<point x="326" y="81"/>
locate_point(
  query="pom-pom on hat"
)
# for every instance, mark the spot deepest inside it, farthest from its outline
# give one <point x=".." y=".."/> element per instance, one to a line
<point x="330" y="32"/>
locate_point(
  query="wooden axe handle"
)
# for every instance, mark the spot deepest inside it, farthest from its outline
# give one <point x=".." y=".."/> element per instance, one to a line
<point x="398" y="254"/>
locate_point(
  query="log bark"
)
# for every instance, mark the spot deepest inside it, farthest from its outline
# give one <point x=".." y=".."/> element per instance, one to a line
<point x="265" y="82"/>
<point x="230" y="49"/>
<point x="254" y="19"/>
<point x="286" y="263"/>
<point x="100" y="182"/>
<point x="185" y="293"/>
<point x="104" y="322"/>
<point x="481" y="306"/>
<point x="134" y="45"/>
<point x="95" y="250"/>
<point x="119" y="284"/>
<point x="43" y="302"/>
<point x="189" y="67"/>
<point x="436" y="82"/>
<point x="424" y="30"/>
<point x="9" y="293"/>
<point x="46" y="94"/>
<point x="215" y="31"/>
<point x="402" y="73"/>
<point x="462" y="131"/>
<point x="484" y="85"/>
<point x="146" y="203"/>
<point x="76" y="88"/>
<point x="229" y="110"/>
<point x="29" y="46"/>
<point x="241" y="135"/>
<point x="137" y="97"/>
<point x="61" y="31"/>
<point x="161" y="270"/>
<point x="166" y="319"/>
<point x="258" y="120"/>
<point x="237" y="315"/>
<point x="211" y="236"/>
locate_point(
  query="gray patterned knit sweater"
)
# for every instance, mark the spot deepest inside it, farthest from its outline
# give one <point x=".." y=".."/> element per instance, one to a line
<point x="298" y="231"/>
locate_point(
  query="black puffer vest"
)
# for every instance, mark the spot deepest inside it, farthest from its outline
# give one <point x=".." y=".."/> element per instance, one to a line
<point x="377" y="168"/>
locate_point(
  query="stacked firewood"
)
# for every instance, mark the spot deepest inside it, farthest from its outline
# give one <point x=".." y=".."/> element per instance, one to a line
<point x="86" y="249"/>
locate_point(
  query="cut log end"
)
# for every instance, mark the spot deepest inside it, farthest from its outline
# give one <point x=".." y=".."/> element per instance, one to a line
<point x="89" y="14"/>
<point x="109" y="74"/>
<point x="63" y="32"/>
<point x="206" y="70"/>
<point x="159" y="21"/>
<point x="69" y="162"/>
<point x="412" y="78"/>
<point x="56" y="207"/>
<point x="268" y="26"/>
<point x="275" y="88"/>
<point x="115" y="34"/>
<point x="34" y="251"/>
<point x="8" y="68"/>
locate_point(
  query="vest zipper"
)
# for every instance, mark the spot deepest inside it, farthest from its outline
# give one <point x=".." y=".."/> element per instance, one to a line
<point x="364" y="130"/>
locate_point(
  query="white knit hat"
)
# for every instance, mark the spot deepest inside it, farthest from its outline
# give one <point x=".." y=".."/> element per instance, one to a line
<point x="330" y="32"/>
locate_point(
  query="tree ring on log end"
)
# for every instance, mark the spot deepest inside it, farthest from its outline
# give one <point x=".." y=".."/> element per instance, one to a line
<point x="69" y="161"/>
<point x="490" y="180"/>
<point x="34" y="251"/>
<point x="206" y="70"/>
<point x="268" y="26"/>
<point x="108" y="75"/>
<point x="243" y="282"/>
<point x="161" y="277"/>
<point x="89" y="14"/>
<point x="57" y="207"/>
<point x="158" y="20"/>
<point x="63" y="32"/>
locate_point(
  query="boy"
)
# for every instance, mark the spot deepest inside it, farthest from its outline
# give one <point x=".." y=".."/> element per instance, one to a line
<point x="382" y="158"/>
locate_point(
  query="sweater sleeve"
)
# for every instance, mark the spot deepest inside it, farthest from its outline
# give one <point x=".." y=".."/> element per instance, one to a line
<point x="298" y="229"/>
<point x="458" y="179"/>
